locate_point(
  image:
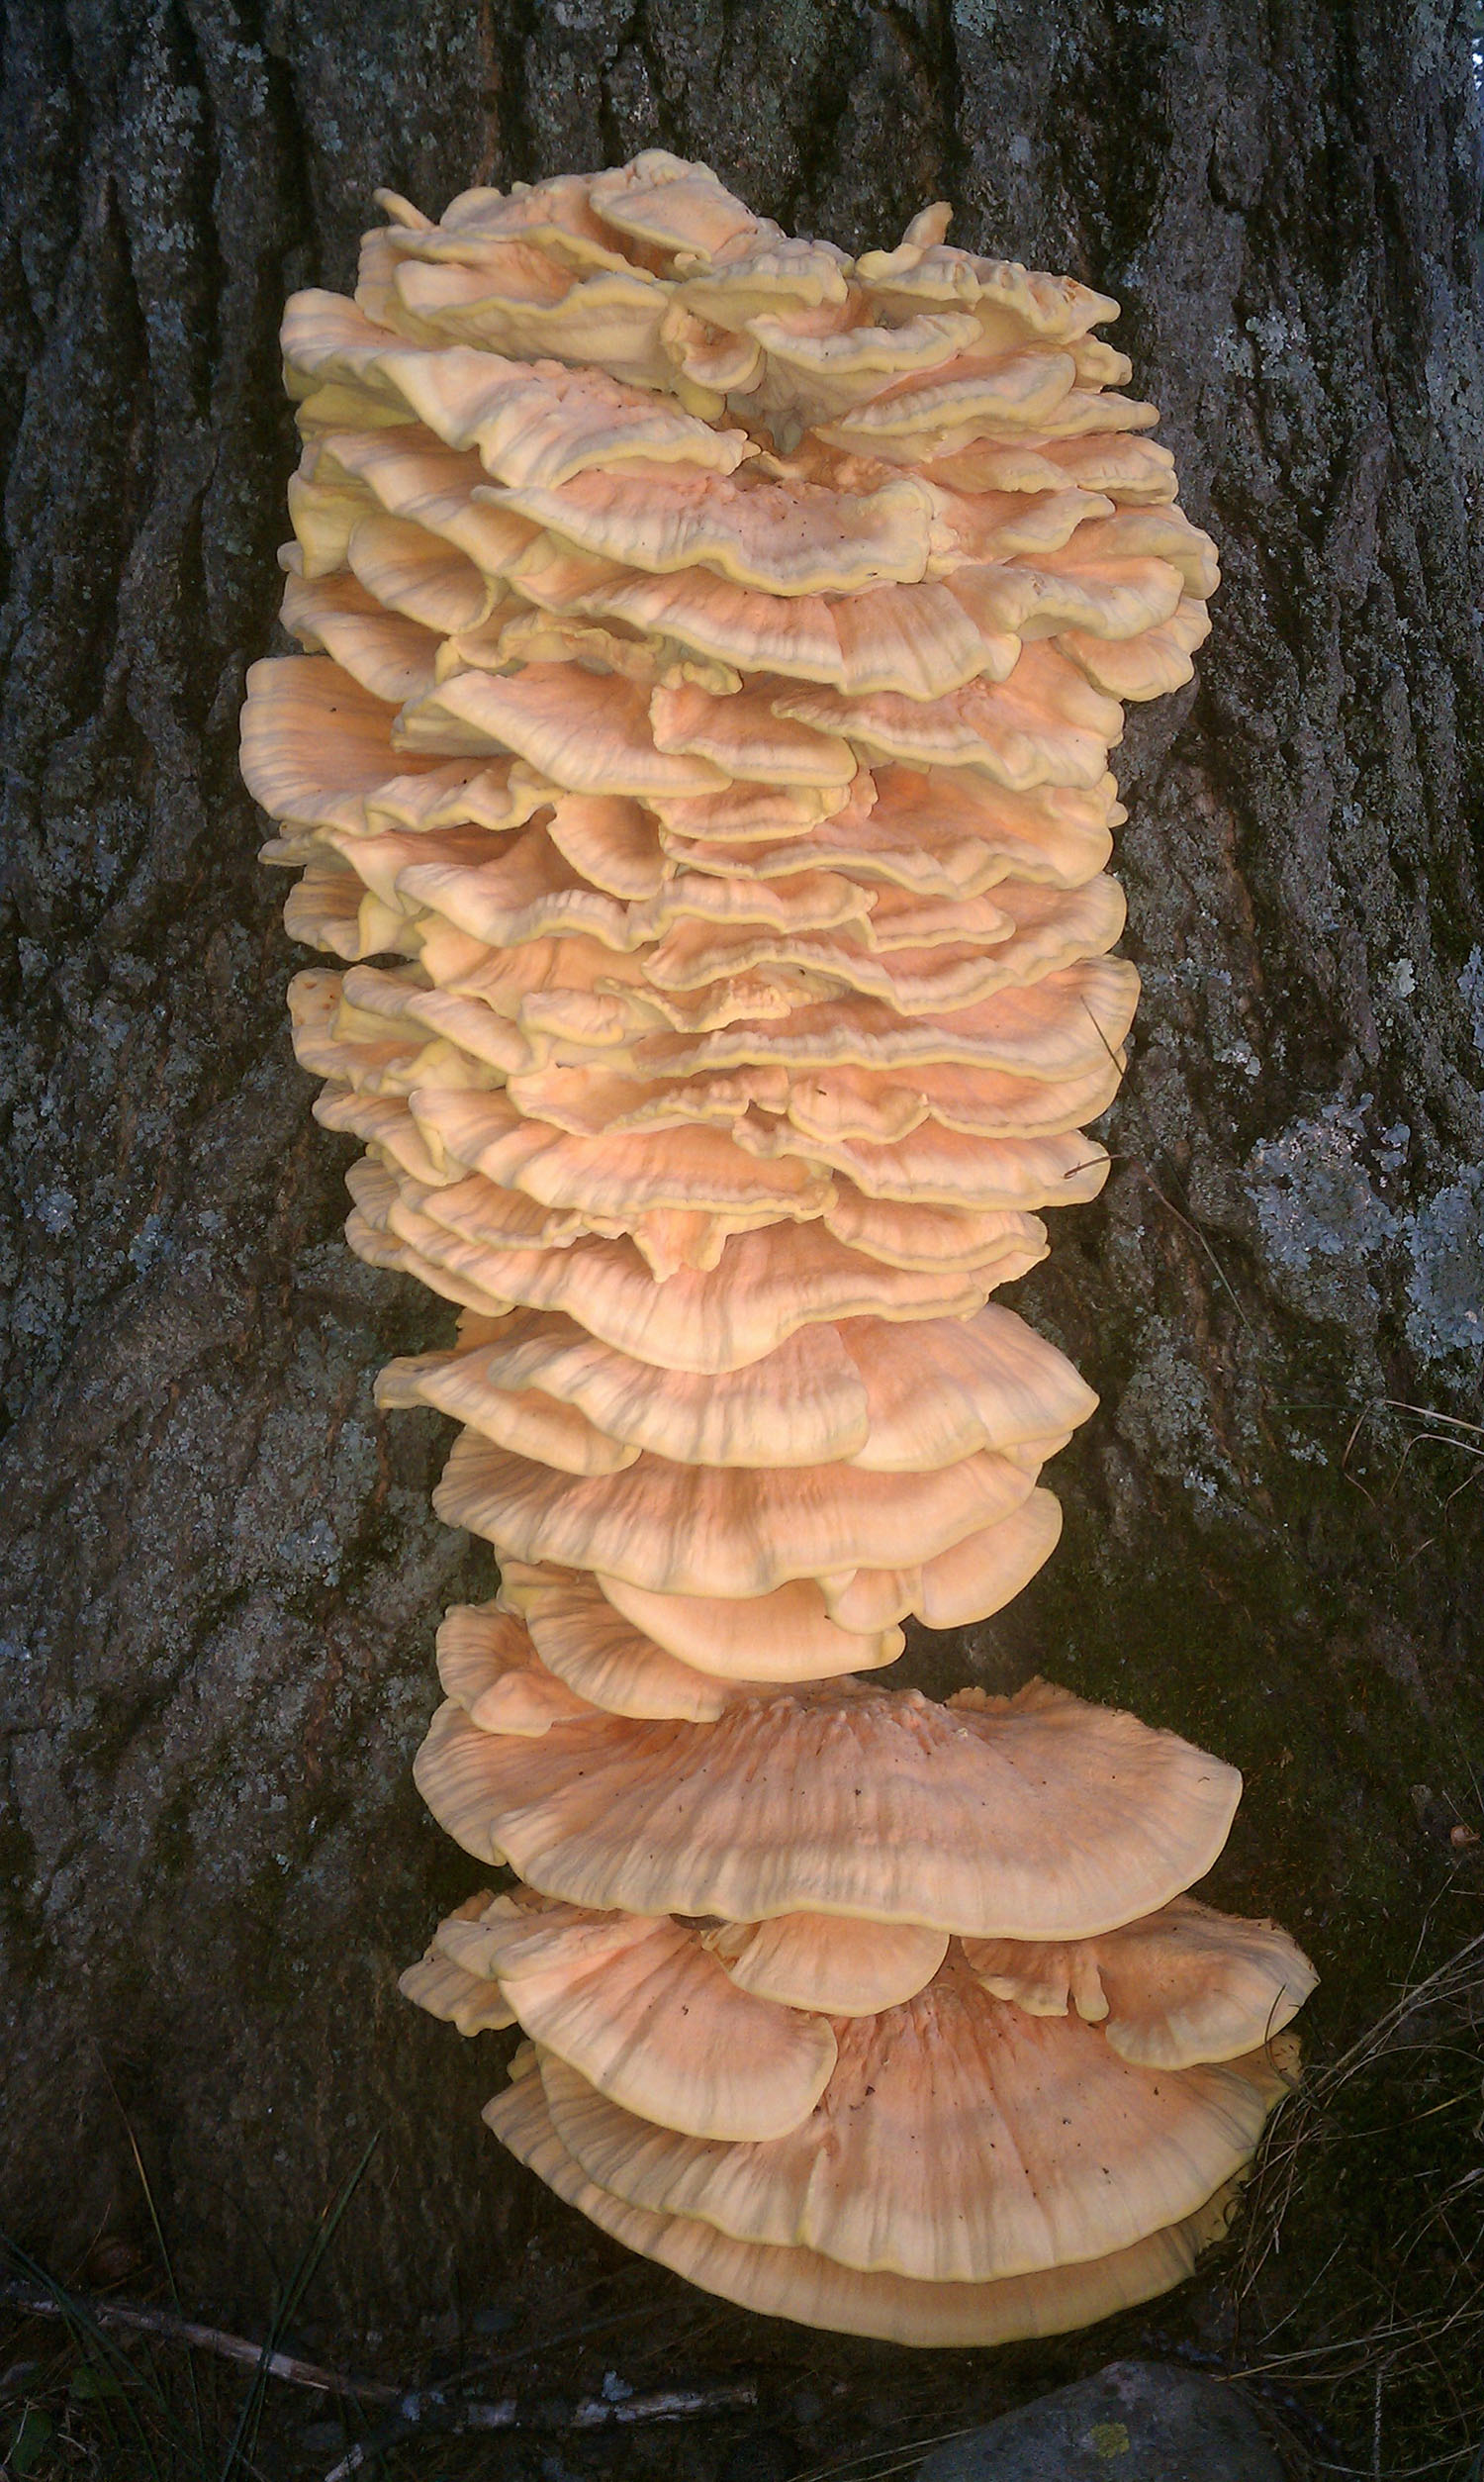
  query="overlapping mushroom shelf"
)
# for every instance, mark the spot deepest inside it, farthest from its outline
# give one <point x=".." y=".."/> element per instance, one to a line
<point x="700" y="769"/>
<point x="845" y="2004"/>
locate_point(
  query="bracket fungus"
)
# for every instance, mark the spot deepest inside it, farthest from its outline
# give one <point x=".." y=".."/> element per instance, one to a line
<point x="697" y="771"/>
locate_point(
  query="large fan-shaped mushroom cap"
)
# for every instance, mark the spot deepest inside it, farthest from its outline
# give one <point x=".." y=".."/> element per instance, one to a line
<point x="317" y="753"/>
<point x="804" y="1403"/>
<point x="788" y="540"/>
<point x="1032" y="1817"/>
<point x="763" y="1287"/>
<point x="813" y="1632"/>
<point x="800" y="2284"/>
<point x="728" y="1530"/>
<point x="958" y="2140"/>
<point x="623" y="1180"/>
<point x="1052" y="1031"/>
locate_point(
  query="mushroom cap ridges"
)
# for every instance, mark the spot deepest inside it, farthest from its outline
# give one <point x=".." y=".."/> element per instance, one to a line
<point x="1223" y="1987"/>
<point x="955" y="2137"/>
<point x="1184" y="1984"/>
<point x="802" y="2284"/>
<point x="642" y="2011"/>
<point x="730" y="1531"/>
<point x="824" y="1961"/>
<point x="861" y="1392"/>
<point x="1000" y="1820"/>
<point x="958" y="2139"/>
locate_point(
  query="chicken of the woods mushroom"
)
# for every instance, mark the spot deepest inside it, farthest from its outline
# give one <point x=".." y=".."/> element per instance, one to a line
<point x="698" y="770"/>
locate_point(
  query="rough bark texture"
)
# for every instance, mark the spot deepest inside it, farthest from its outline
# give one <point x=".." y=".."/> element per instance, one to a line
<point x="223" y="1574"/>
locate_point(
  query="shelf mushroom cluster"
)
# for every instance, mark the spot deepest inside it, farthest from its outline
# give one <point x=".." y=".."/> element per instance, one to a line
<point x="698" y="767"/>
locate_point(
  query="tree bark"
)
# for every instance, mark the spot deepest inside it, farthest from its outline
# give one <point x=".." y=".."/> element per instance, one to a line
<point x="223" y="1572"/>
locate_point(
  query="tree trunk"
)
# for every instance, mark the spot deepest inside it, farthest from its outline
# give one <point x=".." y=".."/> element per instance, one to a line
<point x="224" y="1575"/>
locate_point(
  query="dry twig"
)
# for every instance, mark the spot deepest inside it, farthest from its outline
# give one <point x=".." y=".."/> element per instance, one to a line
<point x="435" y="2412"/>
<point x="143" y="2321"/>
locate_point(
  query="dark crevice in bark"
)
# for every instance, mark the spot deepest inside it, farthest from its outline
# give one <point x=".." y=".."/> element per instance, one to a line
<point x="836" y="68"/>
<point x="641" y="35"/>
<point x="952" y="102"/>
<point x="518" y="23"/>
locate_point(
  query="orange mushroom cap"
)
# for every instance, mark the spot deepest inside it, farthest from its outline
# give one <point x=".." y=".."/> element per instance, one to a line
<point x="801" y="2284"/>
<point x="958" y="2140"/>
<point x="641" y="2010"/>
<point x="1182" y="1984"/>
<point x="1027" y="1818"/>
